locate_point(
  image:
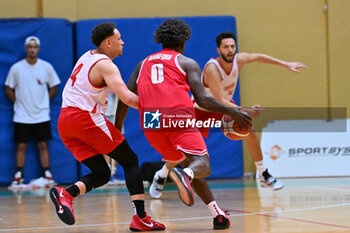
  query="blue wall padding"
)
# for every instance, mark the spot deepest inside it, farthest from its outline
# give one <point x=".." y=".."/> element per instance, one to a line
<point x="138" y="36"/>
<point x="57" y="48"/>
<point x="61" y="46"/>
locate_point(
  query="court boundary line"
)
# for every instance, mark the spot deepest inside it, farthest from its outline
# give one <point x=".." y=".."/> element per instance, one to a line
<point x="269" y="214"/>
<point x="242" y="213"/>
<point x="331" y="189"/>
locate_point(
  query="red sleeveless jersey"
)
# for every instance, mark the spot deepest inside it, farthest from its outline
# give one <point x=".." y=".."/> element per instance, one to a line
<point x="162" y="83"/>
<point x="163" y="91"/>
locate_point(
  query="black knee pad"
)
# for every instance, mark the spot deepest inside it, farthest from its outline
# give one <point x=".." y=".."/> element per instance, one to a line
<point x="124" y="155"/>
<point x="130" y="163"/>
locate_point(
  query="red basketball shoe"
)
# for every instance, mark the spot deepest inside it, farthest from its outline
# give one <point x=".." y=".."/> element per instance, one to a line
<point x="221" y="222"/>
<point x="63" y="202"/>
<point x="145" y="224"/>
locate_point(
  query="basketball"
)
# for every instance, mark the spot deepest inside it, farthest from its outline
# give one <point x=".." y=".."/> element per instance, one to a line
<point x="231" y="130"/>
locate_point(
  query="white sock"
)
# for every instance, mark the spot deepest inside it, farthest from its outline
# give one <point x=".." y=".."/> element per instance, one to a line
<point x="260" y="166"/>
<point x="215" y="209"/>
<point x="18" y="174"/>
<point x="163" y="172"/>
<point x="189" y="172"/>
<point x="48" y="174"/>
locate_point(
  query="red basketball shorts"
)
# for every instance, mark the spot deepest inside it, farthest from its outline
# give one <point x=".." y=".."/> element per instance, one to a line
<point x="87" y="134"/>
<point x="172" y="144"/>
<point x="203" y="116"/>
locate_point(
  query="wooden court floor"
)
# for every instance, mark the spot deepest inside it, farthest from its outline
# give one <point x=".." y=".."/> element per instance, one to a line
<point x="304" y="205"/>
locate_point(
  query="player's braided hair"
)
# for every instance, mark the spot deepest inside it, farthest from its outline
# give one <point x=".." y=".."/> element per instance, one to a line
<point x="172" y="33"/>
<point x="102" y="31"/>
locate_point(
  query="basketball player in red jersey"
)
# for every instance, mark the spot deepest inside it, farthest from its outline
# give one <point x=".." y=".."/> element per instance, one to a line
<point x="163" y="81"/>
<point x="88" y="134"/>
<point x="220" y="76"/>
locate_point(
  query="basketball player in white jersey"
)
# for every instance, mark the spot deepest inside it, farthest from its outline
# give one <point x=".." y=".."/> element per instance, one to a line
<point x="88" y="134"/>
<point x="220" y="77"/>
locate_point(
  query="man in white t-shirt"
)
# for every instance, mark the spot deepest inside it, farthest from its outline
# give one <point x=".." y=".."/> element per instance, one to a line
<point x="30" y="84"/>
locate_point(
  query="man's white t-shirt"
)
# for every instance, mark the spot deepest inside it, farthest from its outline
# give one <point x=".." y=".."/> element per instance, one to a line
<point x="31" y="82"/>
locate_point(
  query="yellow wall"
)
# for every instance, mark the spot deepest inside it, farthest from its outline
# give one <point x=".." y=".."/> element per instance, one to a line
<point x="339" y="51"/>
<point x="60" y="9"/>
<point x="19" y="8"/>
<point x="290" y="30"/>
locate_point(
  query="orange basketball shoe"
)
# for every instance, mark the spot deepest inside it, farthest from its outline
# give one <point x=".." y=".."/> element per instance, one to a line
<point x="63" y="202"/>
<point x="145" y="224"/>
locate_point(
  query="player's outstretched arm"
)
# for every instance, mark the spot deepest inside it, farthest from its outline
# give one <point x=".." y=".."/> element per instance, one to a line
<point x="245" y="58"/>
<point x="122" y="109"/>
<point x="203" y="99"/>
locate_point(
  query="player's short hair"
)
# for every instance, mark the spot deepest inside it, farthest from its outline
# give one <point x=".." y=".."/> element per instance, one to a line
<point x="102" y="31"/>
<point x="172" y="33"/>
<point x="224" y="35"/>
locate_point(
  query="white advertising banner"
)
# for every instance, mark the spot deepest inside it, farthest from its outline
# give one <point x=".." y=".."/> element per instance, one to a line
<point x="307" y="148"/>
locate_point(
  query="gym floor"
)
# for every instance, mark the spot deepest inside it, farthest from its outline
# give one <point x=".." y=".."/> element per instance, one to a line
<point x="304" y="205"/>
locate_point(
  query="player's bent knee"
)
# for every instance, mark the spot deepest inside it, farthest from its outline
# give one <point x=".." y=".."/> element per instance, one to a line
<point x="128" y="160"/>
<point x="208" y="170"/>
<point x="206" y="165"/>
<point x="104" y="178"/>
<point x="124" y="155"/>
<point x="204" y="169"/>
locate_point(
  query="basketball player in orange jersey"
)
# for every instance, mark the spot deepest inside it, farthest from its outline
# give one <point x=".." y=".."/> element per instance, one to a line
<point x="88" y="134"/>
<point x="162" y="81"/>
